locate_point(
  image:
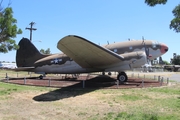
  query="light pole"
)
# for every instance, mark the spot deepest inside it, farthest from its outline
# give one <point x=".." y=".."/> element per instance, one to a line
<point x="31" y="29"/>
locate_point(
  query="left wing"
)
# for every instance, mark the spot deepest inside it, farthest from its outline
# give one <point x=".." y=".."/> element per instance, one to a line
<point x="86" y="53"/>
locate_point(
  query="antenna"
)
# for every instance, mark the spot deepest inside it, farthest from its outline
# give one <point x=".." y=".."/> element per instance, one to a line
<point x="143" y="38"/>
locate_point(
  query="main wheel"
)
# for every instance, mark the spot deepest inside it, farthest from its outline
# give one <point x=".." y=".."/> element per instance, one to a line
<point x="109" y="73"/>
<point x="122" y="77"/>
<point x="40" y="77"/>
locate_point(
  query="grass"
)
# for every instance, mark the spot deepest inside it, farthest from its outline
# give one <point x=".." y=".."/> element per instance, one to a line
<point x="7" y="89"/>
<point x="10" y="73"/>
<point x="161" y="103"/>
<point x="150" y="103"/>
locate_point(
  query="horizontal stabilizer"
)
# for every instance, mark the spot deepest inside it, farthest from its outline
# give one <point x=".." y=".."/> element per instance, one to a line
<point x="23" y="69"/>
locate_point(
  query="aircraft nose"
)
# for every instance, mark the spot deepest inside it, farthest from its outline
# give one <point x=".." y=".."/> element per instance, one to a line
<point x="164" y="48"/>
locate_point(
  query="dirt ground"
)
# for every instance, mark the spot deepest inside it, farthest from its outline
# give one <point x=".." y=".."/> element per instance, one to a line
<point x="82" y="82"/>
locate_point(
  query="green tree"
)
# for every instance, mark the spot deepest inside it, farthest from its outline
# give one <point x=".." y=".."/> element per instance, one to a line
<point x="45" y="51"/>
<point x="155" y="2"/>
<point x="8" y="30"/>
<point x="176" y="60"/>
<point x="42" y="51"/>
<point x="166" y="62"/>
<point x="175" y="22"/>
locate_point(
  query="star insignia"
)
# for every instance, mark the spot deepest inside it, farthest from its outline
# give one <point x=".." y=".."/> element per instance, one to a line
<point x="56" y="61"/>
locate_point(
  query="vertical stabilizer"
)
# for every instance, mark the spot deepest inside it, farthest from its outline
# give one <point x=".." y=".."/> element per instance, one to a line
<point x="27" y="54"/>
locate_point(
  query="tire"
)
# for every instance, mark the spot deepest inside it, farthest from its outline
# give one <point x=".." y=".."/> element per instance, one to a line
<point x="122" y="77"/>
<point x="41" y="77"/>
<point x="109" y="73"/>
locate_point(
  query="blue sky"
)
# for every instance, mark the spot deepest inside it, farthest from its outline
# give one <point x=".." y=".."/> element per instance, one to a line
<point x="96" y="20"/>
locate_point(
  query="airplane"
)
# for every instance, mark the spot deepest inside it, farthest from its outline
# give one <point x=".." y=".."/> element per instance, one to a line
<point x="80" y="55"/>
<point x="5" y="65"/>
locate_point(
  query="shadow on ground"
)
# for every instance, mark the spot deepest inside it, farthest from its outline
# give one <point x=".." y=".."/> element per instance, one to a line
<point x="76" y="89"/>
<point x="99" y="82"/>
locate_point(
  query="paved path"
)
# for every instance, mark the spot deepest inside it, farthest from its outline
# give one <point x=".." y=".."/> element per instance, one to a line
<point x="175" y="77"/>
<point x="171" y="75"/>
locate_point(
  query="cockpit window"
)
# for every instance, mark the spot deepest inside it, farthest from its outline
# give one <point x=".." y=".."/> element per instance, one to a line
<point x="155" y="44"/>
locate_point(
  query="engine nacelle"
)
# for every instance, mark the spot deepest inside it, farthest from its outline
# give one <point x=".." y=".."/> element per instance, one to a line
<point x="131" y="60"/>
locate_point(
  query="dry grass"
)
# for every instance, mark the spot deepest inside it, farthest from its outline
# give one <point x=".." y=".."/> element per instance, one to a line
<point x="20" y="103"/>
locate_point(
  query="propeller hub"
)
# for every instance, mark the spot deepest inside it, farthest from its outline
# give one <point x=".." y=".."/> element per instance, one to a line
<point x="164" y="48"/>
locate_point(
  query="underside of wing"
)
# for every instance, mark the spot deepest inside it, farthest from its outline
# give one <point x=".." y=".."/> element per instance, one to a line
<point x="86" y="53"/>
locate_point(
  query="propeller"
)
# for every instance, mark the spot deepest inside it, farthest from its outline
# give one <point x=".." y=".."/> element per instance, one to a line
<point x="146" y="50"/>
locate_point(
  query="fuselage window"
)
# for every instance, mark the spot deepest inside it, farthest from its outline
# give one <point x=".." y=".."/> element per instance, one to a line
<point x="154" y="45"/>
<point x="115" y="50"/>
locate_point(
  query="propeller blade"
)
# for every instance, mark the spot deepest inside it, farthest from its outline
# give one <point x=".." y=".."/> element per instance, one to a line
<point x="146" y="50"/>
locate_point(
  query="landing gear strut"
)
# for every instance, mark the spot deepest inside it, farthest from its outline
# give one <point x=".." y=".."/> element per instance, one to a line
<point x="122" y="77"/>
<point x="41" y="77"/>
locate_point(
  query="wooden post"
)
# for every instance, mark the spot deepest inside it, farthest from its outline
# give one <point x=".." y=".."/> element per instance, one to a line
<point x="142" y="83"/>
<point x="159" y="79"/>
<point x="167" y="81"/>
<point x="24" y="80"/>
<point x="49" y="82"/>
<point x="117" y="83"/>
<point x="162" y="81"/>
<point x="6" y="75"/>
<point x="154" y="77"/>
<point x="83" y="83"/>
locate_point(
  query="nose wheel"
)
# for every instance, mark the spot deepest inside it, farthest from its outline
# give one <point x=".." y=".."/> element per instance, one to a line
<point x="122" y="77"/>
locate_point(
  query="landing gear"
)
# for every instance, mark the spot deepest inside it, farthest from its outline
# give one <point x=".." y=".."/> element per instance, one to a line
<point x="109" y="73"/>
<point x="103" y="73"/>
<point x="41" y="77"/>
<point x="122" y="77"/>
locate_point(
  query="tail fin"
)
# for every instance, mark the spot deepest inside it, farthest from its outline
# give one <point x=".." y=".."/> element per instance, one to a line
<point x="27" y="54"/>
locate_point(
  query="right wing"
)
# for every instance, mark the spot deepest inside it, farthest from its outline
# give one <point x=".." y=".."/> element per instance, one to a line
<point x="86" y="53"/>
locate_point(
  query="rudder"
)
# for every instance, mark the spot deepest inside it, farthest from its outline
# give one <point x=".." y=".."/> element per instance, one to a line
<point x="27" y="54"/>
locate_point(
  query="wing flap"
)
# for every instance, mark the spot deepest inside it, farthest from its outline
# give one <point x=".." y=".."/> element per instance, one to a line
<point x="86" y="53"/>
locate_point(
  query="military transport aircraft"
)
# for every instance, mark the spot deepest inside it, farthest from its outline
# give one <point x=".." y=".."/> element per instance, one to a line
<point x="82" y="56"/>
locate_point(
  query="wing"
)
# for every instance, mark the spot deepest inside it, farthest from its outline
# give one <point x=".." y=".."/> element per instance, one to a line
<point x="86" y="53"/>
